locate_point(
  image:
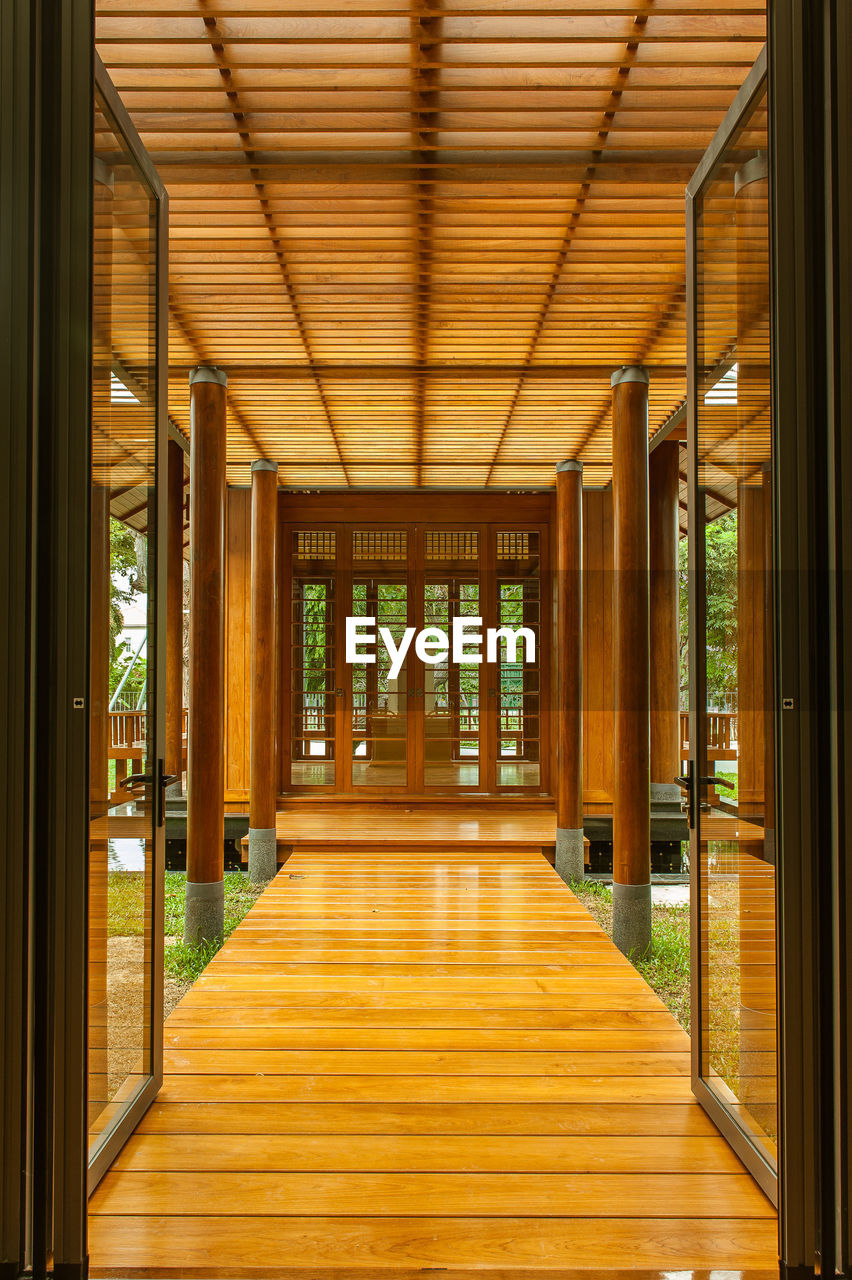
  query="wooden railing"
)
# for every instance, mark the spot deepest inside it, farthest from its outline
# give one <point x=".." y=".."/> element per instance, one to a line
<point x="128" y="741"/>
<point x="721" y="732"/>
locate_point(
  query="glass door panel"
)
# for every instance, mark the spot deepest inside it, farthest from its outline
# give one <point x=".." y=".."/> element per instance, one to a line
<point x="380" y="698"/>
<point x="126" y="844"/>
<point x="732" y="702"/>
<point x="313" y="696"/>
<point x="451" y="692"/>
<point x="518" y="693"/>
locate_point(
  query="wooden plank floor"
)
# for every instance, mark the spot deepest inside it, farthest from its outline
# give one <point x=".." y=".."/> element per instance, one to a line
<point x="401" y="1064"/>
<point x="371" y="827"/>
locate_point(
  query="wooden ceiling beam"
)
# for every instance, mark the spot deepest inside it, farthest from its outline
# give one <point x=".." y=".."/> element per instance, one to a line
<point x="605" y="126"/>
<point x="218" y="48"/>
<point x="454" y="370"/>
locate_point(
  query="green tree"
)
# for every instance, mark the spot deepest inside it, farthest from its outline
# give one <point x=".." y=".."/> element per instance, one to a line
<point x="127" y="580"/>
<point x="720" y="584"/>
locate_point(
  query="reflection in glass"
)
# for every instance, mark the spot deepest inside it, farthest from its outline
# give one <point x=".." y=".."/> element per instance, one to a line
<point x="736" y="745"/>
<point x="121" y="846"/>
<point x="518" y="689"/>
<point x="313" y="681"/>
<point x="451" y="691"/>
<point x="379" y="703"/>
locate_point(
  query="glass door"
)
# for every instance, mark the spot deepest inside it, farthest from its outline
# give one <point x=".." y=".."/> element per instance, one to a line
<point x="126" y="693"/>
<point x="450" y="748"/>
<point x="732" y="731"/>
<point x="381" y="690"/>
<point x="514" y="693"/>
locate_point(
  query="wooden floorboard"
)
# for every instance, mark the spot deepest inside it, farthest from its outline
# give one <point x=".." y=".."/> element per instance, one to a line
<point x="403" y="1064"/>
<point x="331" y="829"/>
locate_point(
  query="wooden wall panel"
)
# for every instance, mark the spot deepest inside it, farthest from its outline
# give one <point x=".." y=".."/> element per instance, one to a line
<point x="237" y="643"/>
<point x="598" y="777"/>
<point x="597" y="650"/>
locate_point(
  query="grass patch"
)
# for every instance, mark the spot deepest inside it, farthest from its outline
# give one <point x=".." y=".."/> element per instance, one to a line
<point x="667" y="970"/>
<point x="125" y="904"/>
<point x="185" y="962"/>
<point x="126" y="916"/>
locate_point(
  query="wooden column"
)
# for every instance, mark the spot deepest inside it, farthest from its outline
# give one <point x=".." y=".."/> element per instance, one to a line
<point x="205" y="852"/>
<point x="751" y="650"/>
<point x="569" y="670"/>
<point x="663" y="493"/>
<point x="262" y="861"/>
<point x="631" y="817"/>
<point x="174" y="617"/>
<point x="768" y="672"/>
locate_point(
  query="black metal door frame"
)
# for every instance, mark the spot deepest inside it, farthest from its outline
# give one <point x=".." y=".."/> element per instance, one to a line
<point x="156" y="700"/>
<point x="46" y="164"/>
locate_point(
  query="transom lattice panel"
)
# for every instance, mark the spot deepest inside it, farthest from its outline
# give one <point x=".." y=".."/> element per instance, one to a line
<point x="420" y="236"/>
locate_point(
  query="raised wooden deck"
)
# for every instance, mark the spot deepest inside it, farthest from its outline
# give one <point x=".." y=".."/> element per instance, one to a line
<point x="402" y="1065"/>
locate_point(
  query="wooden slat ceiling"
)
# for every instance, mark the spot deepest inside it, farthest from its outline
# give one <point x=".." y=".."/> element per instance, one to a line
<point x="419" y="236"/>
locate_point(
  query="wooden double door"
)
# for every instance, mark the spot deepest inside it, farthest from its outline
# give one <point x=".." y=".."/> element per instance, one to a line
<point x="422" y="724"/>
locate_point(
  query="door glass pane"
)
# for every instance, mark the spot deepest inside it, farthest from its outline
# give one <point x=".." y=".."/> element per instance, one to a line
<point x="451" y="692"/>
<point x="735" y="845"/>
<point x="312" y="676"/>
<point x="122" y="835"/>
<point x="380" y="699"/>
<point x="518" y="690"/>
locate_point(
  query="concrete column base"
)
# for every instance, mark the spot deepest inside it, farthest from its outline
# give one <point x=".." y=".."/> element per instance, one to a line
<point x="570" y="863"/>
<point x="174" y="791"/>
<point x="204" y="915"/>
<point x="631" y="919"/>
<point x="666" y="793"/>
<point x="262" y="854"/>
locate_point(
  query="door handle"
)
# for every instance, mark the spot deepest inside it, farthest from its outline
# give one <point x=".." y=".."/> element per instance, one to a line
<point x="687" y="781"/>
<point x="150" y="780"/>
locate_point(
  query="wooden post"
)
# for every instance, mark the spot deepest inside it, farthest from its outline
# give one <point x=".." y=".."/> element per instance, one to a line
<point x="569" y="674"/>
<point x="751" y="650"/>
<point x="262" y="845"/>
<point x="768" y="673"/>
<point x="631" y="816"/>
<point x="205" y="851"/>
<point x="174" y="618"/>
<point x="663" y="524"/>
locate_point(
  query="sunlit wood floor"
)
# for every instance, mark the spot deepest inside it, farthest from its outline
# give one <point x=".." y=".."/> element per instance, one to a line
<point x="370" y="828"/>
<point x="409" y="1064"/>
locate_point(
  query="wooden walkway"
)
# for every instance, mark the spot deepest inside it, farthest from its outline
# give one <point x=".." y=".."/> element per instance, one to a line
<point x="373" y="828"/>
<point x="401" y="1066"/>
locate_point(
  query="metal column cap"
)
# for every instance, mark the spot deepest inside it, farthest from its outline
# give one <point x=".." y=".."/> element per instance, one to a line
<point x="569" y="464"/>
<point x="208" y="373"/>
<point x="630" y="373"/>
<point x="263" y="464"/>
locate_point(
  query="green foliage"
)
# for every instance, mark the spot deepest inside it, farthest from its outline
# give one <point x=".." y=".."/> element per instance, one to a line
<point x="186" y="962"/>
<point x="731" y="793"/>
<point x="125" y="904"/>
<point x="126" y="582"/>
<point x="667" y="968"/>
<point x="721" y="604"/>
<point x="316" y="636"/>
<point x="594" y="889"/>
